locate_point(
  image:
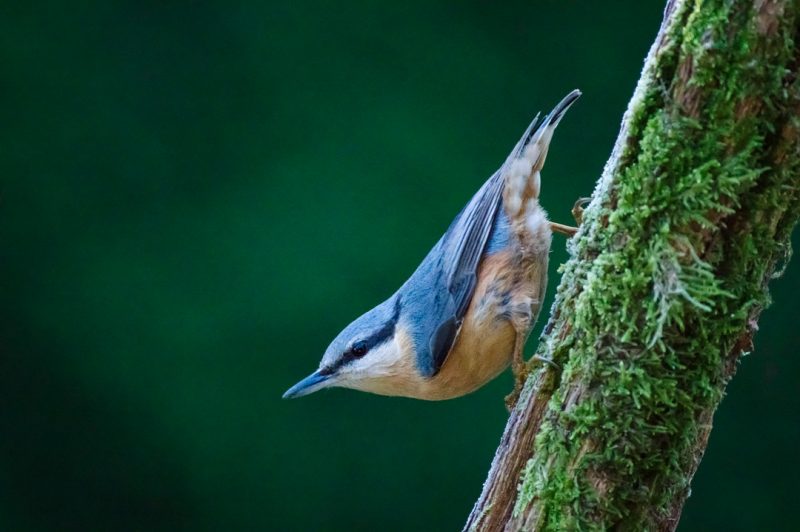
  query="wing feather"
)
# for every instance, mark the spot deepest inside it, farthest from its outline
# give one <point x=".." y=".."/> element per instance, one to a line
<point x="462" y="246"/>
<point x="445" y="282"/>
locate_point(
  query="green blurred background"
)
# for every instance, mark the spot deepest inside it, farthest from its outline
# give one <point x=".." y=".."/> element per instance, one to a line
<point x="196" y="197"/>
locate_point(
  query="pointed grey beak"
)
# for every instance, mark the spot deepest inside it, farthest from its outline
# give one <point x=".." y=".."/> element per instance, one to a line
<point x="310" y="384"/>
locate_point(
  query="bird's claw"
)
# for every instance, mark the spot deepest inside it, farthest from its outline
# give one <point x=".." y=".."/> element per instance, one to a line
<point x="577" y="209"/>
<point x="546" y="360"/>
<point x="521" y="370"/>
<point x="577" y="213"/>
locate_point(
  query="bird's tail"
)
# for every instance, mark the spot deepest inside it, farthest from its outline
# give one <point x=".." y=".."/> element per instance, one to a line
<point x="527" y="159"/>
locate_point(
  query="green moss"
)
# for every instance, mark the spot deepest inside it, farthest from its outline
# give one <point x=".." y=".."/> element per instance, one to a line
<point x="670" y="266"/>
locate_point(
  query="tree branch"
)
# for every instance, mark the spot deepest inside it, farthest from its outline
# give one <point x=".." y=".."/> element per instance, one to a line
<point x="666" y="281"/>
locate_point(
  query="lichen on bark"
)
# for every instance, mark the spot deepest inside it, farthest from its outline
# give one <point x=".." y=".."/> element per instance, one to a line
<point x="666" y="280"/>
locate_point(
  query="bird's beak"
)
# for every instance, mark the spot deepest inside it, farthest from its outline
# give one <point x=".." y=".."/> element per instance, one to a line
<point x="310" y="384"/>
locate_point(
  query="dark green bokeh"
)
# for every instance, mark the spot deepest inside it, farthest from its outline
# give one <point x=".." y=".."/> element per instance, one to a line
<point x="197" y="197"/>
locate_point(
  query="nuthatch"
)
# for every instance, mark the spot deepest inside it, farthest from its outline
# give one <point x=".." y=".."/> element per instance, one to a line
<point x="467" y="310"/>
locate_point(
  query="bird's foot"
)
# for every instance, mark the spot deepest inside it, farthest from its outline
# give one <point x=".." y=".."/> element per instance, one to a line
<point x="521" y="371"/>
<point x="546" y="360"/>
<point x="577" y="209"/>
<point x="512" y="398"/>
<point x="577" y="213"/>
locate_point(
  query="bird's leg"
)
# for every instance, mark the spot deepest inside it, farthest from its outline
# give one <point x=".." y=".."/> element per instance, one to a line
<point x="520" y="369"/>
<point x="577" y="213"/>
<point x="566" y="230"/>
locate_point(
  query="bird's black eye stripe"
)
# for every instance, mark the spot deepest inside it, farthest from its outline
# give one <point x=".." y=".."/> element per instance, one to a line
<point x="359" y="349"/>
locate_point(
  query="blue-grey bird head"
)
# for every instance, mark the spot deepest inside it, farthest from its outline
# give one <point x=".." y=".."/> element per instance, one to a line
<point x="369" y="354"/>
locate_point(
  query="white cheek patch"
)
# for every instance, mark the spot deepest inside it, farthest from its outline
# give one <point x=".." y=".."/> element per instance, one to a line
<point x="380" y="361"/>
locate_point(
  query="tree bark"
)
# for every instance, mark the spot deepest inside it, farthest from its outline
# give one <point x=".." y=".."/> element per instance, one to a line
<point x="667" y="278"/>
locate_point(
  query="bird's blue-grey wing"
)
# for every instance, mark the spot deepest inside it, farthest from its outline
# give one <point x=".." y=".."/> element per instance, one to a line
<point x="466" y="240"/>
<point x="462" y="247"/>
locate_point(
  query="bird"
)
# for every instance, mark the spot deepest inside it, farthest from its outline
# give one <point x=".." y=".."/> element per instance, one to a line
<point x="466" y="312"/>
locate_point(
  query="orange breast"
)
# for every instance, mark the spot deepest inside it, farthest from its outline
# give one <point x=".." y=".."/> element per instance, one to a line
<point x="485" y="342"/>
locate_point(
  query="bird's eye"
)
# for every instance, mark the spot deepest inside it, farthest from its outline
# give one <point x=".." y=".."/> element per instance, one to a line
<point x="359" y="349"/>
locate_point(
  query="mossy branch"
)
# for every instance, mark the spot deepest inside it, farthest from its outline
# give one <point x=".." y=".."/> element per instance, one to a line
<point x="666" y="281"/>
